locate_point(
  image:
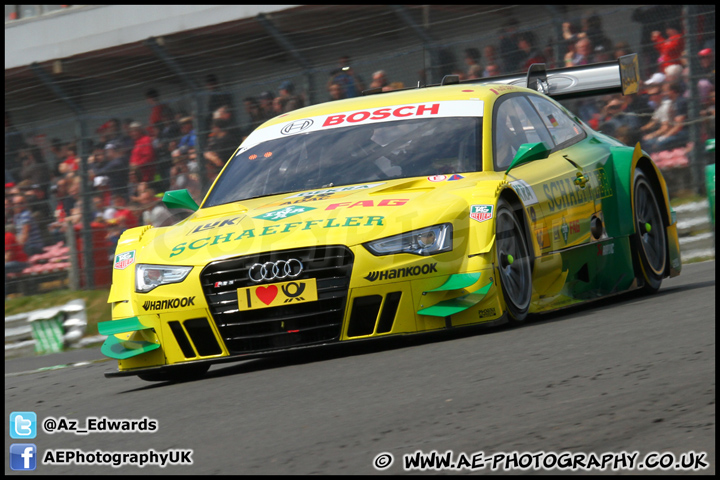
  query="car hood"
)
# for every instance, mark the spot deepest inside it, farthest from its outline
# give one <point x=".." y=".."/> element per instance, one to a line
<point x="346" y="215"/>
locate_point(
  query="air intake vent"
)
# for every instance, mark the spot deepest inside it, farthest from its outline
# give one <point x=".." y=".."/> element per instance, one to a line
<point x="182" y="339"/>
<point x="364" y="315"/>
<point x="202" y="336"/>
<point x="287" y="325"/>
<point x="387" y="317"/>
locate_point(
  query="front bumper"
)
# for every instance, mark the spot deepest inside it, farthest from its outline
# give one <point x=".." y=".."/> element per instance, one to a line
<point x="359" y="298"/>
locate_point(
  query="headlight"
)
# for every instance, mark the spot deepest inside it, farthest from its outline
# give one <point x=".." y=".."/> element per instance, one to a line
<point x="426" y="241"/>
<point x="148" y="277"/>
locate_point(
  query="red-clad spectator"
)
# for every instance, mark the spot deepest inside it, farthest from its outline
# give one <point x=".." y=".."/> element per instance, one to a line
<point x="123" y="215"/>
<point x="670" y="49"/>
<point x="159" y="113"/>
<point x="15" y="257"/>
<point x="13" y="249"/>
<point x="71" y="163"/>
<point x="143" y="153"/>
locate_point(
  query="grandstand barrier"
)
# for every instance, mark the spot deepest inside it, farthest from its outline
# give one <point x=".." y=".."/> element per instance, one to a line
<point x="46" y="330"/>
<point x="59" y="263"/>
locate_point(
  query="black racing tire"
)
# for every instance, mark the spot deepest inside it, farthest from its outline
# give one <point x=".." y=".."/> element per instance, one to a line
<point x="183" y="373"/>
<point x="650" y="237"/>
<point x="514" y="263"/>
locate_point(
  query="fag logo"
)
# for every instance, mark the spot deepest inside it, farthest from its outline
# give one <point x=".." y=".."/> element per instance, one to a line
<point x="284" y="213"/>
<point x="437" y="178"/>
<point x="480" y="213"/>
<point x="388" y="202"/>
<point x="124" y="260"/>
<point x="151" y="305"/>
<point x="402" y="272"/>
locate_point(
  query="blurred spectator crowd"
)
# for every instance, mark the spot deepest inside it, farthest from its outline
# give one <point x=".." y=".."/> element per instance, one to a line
<point x="133" y="161"/>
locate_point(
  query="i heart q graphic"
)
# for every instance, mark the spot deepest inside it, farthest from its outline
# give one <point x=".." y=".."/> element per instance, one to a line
<point x="267" y="294"/>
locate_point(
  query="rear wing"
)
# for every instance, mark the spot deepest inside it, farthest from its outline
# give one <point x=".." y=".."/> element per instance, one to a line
<point x="619" y="76"/>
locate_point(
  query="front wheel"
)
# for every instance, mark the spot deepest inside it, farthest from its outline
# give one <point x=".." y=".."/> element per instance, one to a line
<point x="514" y="262"/>
<point x="651" y="237"/>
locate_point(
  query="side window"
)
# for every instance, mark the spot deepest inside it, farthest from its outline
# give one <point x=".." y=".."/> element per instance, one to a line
<point x="516" y="122"/>
<point x="562" y="128"/>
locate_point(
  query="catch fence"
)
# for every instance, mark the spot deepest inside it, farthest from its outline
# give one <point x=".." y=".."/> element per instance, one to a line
<point x="69" y="121"/>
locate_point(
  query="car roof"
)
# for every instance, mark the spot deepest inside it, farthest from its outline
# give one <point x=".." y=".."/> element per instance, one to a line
<point x="467" y="91"/>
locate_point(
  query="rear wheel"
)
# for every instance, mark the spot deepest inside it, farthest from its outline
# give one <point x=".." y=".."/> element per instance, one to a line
<point x="513" y="261"/>
<point x="651" y="238"/>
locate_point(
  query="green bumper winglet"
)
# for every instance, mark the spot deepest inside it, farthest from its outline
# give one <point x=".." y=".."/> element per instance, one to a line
<point x="456" y="305"/>
<point x="122" y="349"/>
<point x="458" y="281"/>
<point x="121" y="326"/>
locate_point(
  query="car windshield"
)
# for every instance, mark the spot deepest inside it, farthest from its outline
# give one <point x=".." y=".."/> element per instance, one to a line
<point x="350" y="155"/>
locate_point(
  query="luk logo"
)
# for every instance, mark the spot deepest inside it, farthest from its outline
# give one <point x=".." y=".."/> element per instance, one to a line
<point x="168" y="304"/>
<point x="297" y="126"/>
<point x="23" y="456"/>
<point x="124" y="260"/>
<point x="402" y="272"/>
<point x="218" y="224"/>
<point x="283" y="213"/>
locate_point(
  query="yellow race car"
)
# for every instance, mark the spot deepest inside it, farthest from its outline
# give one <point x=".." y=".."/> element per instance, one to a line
<point x="392" y="214"/>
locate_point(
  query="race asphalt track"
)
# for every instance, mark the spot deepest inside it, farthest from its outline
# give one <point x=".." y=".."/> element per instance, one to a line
<point x="622" y="375"/>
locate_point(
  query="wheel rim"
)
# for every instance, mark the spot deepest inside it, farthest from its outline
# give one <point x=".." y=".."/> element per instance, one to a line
<point x="650" y="227"/>
<point x="513" y="260"/>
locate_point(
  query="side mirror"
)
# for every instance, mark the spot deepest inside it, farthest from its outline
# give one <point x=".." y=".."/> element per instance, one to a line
<point x="528" y="152"/>
<point x="179" y="199"/>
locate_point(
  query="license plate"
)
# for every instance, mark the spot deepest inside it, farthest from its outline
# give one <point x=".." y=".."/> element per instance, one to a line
<point x="277" y="294"/>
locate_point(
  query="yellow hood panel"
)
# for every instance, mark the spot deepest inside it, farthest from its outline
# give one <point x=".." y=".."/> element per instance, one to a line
<point x="346" y="215"/>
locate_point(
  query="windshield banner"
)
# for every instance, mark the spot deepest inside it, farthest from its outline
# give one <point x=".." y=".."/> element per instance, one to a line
<point x="412" y="111"/>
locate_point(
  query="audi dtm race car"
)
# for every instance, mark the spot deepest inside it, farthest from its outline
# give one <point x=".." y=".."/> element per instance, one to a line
<point x="418" y="210"/>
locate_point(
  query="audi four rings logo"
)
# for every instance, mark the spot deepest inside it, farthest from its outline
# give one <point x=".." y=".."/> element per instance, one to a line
<point x="275" y="270"/>
<point x="296" y="127"/>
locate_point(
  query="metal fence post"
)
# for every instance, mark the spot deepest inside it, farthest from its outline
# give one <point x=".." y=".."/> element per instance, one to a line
<point x="74" y="264"/>
<point x="87" y="202"/>
<point x="697" y="157"/>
